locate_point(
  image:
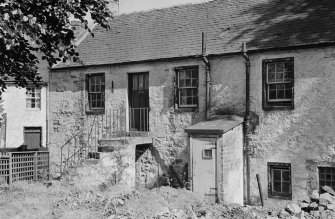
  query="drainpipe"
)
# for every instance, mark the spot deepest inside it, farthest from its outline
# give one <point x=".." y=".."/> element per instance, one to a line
<point x="247" y="118"/>
<point x="208" y="76"/>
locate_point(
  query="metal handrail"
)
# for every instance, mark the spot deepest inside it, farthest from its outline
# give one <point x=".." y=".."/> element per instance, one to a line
<point x="80" y="149"/>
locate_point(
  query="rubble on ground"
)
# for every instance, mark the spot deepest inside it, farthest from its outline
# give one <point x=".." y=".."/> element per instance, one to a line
<point x="320" y="205"/>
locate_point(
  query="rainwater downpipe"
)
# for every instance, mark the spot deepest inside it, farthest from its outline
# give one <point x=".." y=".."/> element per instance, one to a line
<point x="247" y="119"/>
<point x="208" y="76"/>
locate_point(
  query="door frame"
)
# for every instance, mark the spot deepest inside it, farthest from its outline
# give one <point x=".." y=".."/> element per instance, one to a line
<point x="130" y="95"/>
<point x="217" y="153"/>
<point x="41" y="138"/>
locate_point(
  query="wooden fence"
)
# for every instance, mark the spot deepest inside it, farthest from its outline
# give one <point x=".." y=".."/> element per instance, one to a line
<point x="17" y="166"/>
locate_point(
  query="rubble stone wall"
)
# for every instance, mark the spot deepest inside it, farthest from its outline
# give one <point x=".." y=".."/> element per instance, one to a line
<point x="232" y="166"/>
<point x="167" y="122"/>
<point x="304" y="137"/>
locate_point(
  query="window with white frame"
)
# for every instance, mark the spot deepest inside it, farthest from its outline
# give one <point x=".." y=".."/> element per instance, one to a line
<point x="187" y="86"/>
<point x="33" y="98"/>
<point x="278" y="78"/>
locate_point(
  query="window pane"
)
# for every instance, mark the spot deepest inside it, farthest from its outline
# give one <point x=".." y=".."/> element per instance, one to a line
<point x="140" y="82"/>
<point x="280" y="86"/>
<point x="97" y="79"/>
<point x="188" y="83"/>
<point x="279" y="77"/>
<point x="328" y="177"/>
<point x="280" y="94"/>
<point x="135" y="82"/>
<point x="146" y="82"/>
<point x="276" y="175"/>
<point x="195" y="100"/>
<point x="208" y="153"/>
<point x="182" y="75"/>
<point x="182" y="83"/>
<point x="38" y="103"/>
<point x="183" y="100"/>
<point x="194" y="82"/>
<point x="279" y="67"/>
<point x="189" y="100"/>
<point x="289" y="66"/>
<point x="188" y="73"/>
<point x="272" y="94"/>
<point x="183" y="92"/>
<point x="288" y="94"/>
<point x="195" y="74"/>
<point x="271" y="68"/>
<point x="32" y="103"/>
<point x="276" y="186"/>
<point x="271" y="77"/>
<point x="286" y="175"/>
<point x="286" y="187"/>
<point x="287" y="77"/>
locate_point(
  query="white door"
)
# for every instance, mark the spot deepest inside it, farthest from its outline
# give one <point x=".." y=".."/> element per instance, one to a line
<point x="204" y="167"/>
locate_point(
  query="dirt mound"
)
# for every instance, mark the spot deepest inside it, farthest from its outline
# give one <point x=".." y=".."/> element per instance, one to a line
<point x="59" y="199"/>
<point x="167" y="202"/>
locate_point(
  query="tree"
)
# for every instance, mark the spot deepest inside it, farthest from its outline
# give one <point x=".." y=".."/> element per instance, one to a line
<point x="31" y="27"/>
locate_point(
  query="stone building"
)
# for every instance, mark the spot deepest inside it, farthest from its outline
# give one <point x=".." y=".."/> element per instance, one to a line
<point x="158" y="61"/>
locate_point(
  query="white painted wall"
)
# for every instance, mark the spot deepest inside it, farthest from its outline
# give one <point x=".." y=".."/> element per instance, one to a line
<point x="18" y="116"/>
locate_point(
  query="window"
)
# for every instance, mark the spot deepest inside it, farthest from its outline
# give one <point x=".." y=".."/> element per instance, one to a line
<point x="279" y="179"/>
<point x="207" y="154"/>
<point x="33" y="98"/>
<point x="327" y="176"/>
<point x="278" y="78"/>
<point x="187" y="86"/>
<point x="96" y="91"/>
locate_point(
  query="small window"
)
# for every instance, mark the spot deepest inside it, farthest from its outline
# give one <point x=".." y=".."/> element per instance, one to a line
<point x="279" y="179"/>
<point x="278" y="78"/>
<point x="187" y="86"/>
<point x="207" y="154"/>
<point x="96" y="91"/>
<point x="327" y="177"/>
<point x="33" y="98"/>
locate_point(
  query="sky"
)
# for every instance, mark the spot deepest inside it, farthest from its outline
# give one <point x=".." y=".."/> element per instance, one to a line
<point x="126" y="6"/>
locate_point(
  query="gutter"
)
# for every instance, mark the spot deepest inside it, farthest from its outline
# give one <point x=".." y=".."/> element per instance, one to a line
<point x="247" y="120"/>
<point x="208" y="76"/>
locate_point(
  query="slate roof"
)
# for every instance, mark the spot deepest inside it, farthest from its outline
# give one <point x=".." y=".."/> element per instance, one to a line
<point x="176" y="31"/>
<point x="217" y="126"/>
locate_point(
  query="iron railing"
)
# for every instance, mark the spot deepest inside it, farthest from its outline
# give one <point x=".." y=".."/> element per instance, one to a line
<point x="75" y="149"/>
<point x="139" y="119"/>
<point x="18" y="166"/>
<point x="112" y="126"/>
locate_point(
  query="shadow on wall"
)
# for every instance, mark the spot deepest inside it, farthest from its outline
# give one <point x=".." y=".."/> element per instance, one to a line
<point x="152" y="171"/>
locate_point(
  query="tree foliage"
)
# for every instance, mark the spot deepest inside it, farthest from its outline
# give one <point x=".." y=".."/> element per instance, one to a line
<point x="31" y="27"/>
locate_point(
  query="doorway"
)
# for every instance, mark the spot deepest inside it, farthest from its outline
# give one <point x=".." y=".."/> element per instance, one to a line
<point x="33" y="137"/>
<point x="139" y="101"/>
<point x="204" y="167"/>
